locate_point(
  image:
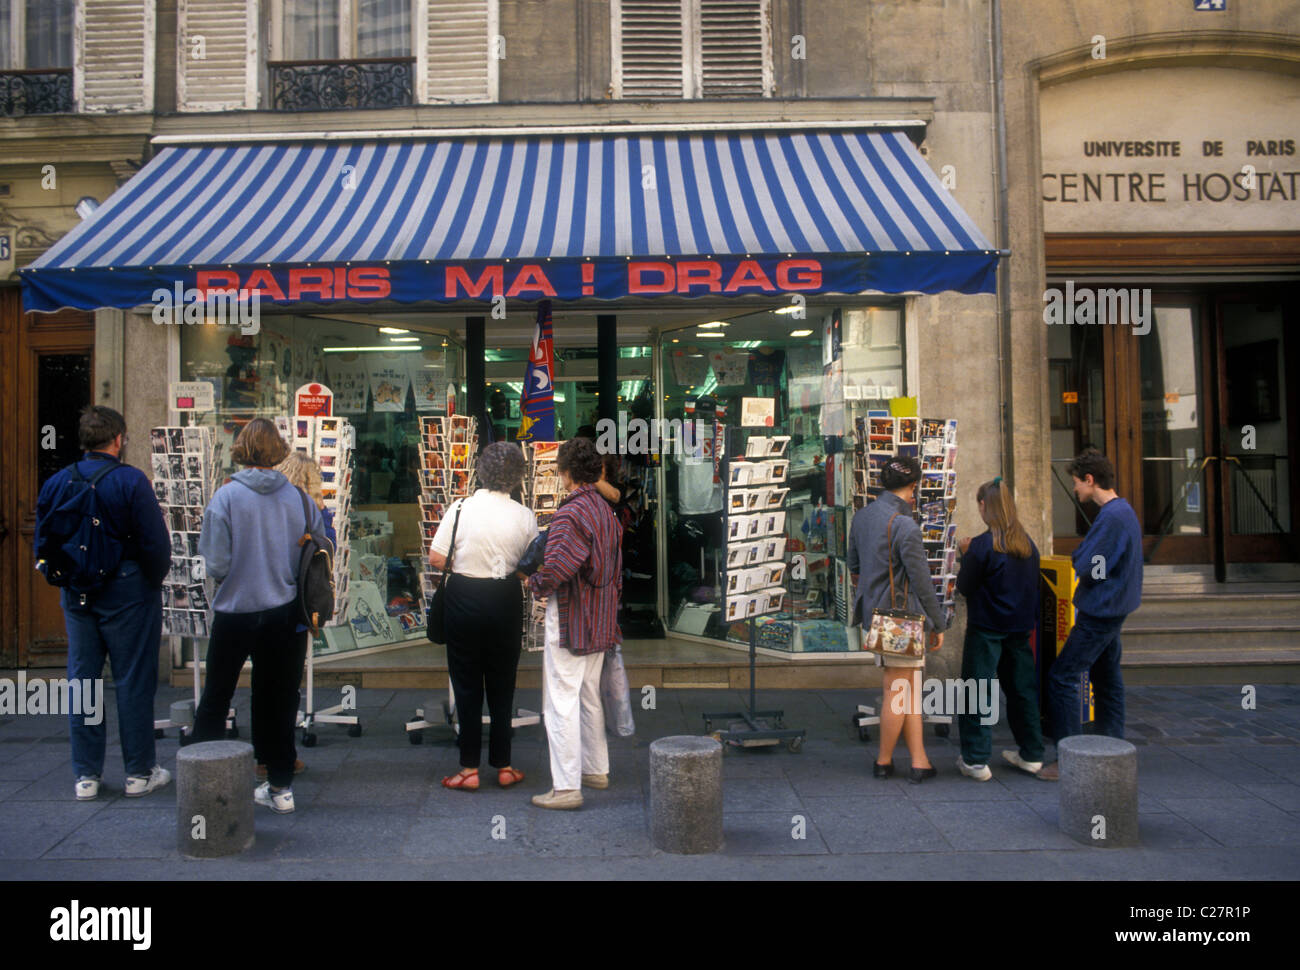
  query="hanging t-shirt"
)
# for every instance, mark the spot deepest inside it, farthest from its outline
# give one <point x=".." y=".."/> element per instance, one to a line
<point x="699" y="486"/>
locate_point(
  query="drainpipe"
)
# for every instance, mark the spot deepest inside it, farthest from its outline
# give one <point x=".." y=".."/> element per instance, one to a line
<point x="1007" y="415"/>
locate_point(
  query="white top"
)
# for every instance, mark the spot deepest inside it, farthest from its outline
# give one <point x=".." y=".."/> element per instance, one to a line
<point x="493" y="534"/>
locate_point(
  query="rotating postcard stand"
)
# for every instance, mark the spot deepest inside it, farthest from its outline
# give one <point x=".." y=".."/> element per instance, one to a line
<point x="933" y="441"/>
<point x="754" y="573"/>
<point x="447" y="447"/>
<point x="185" y="465"/>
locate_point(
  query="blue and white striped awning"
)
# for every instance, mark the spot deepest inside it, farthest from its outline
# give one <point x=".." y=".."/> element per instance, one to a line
<point x="439" y="219"/>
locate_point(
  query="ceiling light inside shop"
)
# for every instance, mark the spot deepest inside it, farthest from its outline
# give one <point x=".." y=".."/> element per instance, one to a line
<point x="787" y="309"/>
<point x="709" y="333"/>
<point x="403" y="340"/>
<point x="392" y="330"/>
<point x="365" y="350"/>
<point x="714" y="324"/>
<point x="800" y="333"/>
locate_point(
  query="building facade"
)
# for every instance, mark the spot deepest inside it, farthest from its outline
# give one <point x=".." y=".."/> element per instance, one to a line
<point x="985" y="94"/>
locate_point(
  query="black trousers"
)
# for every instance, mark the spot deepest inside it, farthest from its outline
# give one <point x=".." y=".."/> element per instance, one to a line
<point x="484" y="637"/>
<point x="278" y="656"/>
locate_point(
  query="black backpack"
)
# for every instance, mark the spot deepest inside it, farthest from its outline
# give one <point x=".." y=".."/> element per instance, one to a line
<point x="75" y="551"/>
<point x="315" y="575"/>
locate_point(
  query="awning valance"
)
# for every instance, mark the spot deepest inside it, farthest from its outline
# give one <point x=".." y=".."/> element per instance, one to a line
<point x="567" y="217"/>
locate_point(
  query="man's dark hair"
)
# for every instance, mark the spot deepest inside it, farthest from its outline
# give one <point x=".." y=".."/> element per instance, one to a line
<point x="899" y="472"/>
<point x="1092" y="462"/>
<point x="98" y="427"/>
<point x="580" y="459"/>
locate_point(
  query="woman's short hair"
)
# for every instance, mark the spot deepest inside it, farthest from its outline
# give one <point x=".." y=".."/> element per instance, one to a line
<point x="900" y="472"/>
<point x="579" y="458"/>
<point x="259" y="445"/>
<point x="501" y="467"/>
<point x="303" y="472"/>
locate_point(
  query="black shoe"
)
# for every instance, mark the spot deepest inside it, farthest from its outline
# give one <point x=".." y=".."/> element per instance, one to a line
<point x="919" y="775"/>
<point x="882" y="771"/>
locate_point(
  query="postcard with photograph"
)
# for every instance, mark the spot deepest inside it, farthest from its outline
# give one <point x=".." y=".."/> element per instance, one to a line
<point x="909" y="431"/>
<point x="194" y="469"/>
<point x="198" y="597"/>
<point x="757" y="446"/>
<point x="774" y="498"/>
<point x="773" y="523"/>
<point x="741" y="472"/>
<point x="162" y="491"/>
<point x="779" y="470"/>
<point x="780" y="445"/>
<point x="158" y="441"/>
<point x="176" y="441"/>
<point x="932" y="427"/>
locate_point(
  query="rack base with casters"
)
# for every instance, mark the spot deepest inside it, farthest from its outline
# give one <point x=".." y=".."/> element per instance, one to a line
<point x="160" y="725"/>
<point x="309" y="718"/>
<point x="415" y="726"/>
<point x="867" y="716"/>
<point x="753" y="728"/>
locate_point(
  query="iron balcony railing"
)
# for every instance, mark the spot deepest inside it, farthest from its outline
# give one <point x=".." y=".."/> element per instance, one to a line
<point x="376" y="82"/>
<point x="37" y="92"/>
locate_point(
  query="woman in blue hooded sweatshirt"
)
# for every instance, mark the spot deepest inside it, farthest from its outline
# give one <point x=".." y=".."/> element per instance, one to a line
<point x="251" y="530"/>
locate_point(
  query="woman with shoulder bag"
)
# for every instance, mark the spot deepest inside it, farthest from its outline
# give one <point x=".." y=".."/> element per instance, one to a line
<point x="479" y="542"/>
<point x="582" y="579"/>
<point x="887" y="560"/>
<point x="252" y="528"/>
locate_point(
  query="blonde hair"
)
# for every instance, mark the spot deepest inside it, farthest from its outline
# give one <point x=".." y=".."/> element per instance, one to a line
<point x="303" y="472"/>
<point x="1009" y="536"/>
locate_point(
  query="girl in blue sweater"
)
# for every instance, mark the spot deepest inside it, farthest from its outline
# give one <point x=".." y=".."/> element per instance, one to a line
<point x="999" y="578"/>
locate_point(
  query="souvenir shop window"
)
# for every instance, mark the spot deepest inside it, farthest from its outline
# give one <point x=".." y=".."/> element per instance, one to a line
<point x="815" y="371"/>
<point x="383" y="382"/>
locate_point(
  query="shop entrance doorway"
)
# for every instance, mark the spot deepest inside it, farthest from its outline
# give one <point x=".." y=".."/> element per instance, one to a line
<point x="1198" y="411"/>
<point x="46" y="374"/>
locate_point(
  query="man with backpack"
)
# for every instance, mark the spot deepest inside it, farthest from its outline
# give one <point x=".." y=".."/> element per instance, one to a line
<point x="100" y="537"/>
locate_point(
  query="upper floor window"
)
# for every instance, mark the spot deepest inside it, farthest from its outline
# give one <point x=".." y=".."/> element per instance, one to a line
<point x="692" y="48"/>
<point x="342" y="54"/>
<point x="36" y="56"/>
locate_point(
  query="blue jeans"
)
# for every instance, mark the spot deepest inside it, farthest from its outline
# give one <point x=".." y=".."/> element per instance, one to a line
<point x="123" y="621"/>
<point x="1093" y="648"/>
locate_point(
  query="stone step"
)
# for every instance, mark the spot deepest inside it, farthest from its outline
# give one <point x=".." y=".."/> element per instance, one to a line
<point x="1160" y="608"/>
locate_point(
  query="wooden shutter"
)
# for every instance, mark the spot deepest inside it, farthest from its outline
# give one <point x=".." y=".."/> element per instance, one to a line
<point x="735" y="49"/>
<point x="113" y="55"/>
<point x="225" y="79"/>
<point x="456" y="50"/>
<point x="649" y="40"/>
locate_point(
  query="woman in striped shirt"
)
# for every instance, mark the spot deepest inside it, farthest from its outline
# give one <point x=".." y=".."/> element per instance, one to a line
<point x="583" y="568"/>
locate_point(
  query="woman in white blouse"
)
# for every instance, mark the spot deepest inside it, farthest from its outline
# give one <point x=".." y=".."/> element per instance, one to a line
<point x="484" y="618"/>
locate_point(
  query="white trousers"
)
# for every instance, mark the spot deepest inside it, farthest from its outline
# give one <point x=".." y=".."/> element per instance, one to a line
<point x="575" y="716"/>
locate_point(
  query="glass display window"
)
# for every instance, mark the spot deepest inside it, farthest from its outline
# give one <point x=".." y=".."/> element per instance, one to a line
<point x="815" y="375"/>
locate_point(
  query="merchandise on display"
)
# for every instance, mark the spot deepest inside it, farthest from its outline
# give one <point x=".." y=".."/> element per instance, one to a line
<point x="755" y="568"/>
<point x="448" y="447"/>
<point x="541" y="493"/>
<point x="186" y="466"/>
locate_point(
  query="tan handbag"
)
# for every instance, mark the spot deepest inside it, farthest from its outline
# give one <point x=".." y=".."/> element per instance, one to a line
<point x="895" y="633"/>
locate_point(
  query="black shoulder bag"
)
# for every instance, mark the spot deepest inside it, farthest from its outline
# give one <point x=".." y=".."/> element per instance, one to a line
<point x="435" y="617"/>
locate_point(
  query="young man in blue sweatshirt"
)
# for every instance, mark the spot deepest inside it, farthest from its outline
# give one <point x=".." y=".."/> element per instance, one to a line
<point x="1109" y="564"/>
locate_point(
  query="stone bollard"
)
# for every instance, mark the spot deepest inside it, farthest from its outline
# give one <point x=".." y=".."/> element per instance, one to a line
<point x="214" y="799"/>
<point x="182" y="713"/>
<point x="1099" y="793"/>
<point x="686" y="794"/>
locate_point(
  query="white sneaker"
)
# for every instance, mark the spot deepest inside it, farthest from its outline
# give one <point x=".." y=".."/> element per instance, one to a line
<point x="1013" y="757"/>
<point x="87" y="788"/>
<point x="280" y="802"/>
<point x="978" y="772"/>
<point x="137" y="785"/>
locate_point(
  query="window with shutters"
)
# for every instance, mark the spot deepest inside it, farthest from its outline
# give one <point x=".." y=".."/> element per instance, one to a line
<point x="36" y="56"/>
<point x="691" y="49"/>
<point x="382" y="53"/>
<point x="216" y="54"/>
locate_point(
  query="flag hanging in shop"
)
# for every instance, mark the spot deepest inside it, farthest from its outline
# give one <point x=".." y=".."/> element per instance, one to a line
<point x="537" y="402"/>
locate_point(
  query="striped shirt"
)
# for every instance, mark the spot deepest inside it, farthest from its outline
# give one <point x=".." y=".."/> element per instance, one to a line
<point x="584" y="568"/>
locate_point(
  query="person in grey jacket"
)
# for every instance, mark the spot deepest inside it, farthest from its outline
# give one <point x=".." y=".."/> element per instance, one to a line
<point x="884" y="534"/>
<point x="250" y="545"/>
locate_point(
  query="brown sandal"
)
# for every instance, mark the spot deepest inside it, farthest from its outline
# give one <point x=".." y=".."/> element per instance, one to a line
<point x="509" y="776"/>
<point x="465" y="780"/>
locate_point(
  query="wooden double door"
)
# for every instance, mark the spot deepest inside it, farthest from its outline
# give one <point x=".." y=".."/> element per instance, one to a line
<point x="1199" y="415"/>
<point x="46" y="378"/>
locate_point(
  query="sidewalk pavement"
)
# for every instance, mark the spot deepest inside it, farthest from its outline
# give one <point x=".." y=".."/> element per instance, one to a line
<point x="1219" y="799"/>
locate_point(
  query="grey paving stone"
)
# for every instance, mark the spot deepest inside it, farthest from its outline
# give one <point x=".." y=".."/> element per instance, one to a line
<point x="1285" y="796"/>
<point x="758" y="795"/>
<point x="994" y="825"/>
<point x="1185" y="782"/>
<point x="29" y="830"/>
<point x="952" y="786"/>
<point x="442" y="837"/>
<point x="333" y="831"/>
<point x="770" y="833"/>
<point x="855" y="825"/>
<point x="147" y="834"/>
<point x="1238" y="821"/>
<point x="601" y="828"/>
<point x="35" y="763"/>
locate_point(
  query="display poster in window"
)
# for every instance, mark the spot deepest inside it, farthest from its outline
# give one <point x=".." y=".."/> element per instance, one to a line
<point x="731" y="368"/>
<point x="389" y="379"/>
<point x="757" y="412"/>
<point x="690" y="368"/>
<point x="428" y="380"/>
<point x="350" y="383"/>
